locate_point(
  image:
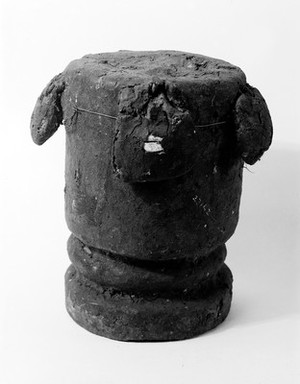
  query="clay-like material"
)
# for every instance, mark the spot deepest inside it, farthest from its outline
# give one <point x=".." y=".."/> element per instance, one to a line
<point x="156" y="143"/>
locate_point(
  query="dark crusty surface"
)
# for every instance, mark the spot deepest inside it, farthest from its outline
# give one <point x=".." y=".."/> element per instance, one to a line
<point x="207" y="87"/>
<point x="170" y="65"/>
<point x="144" y="277"/>
<point x="129" y="317"/>
<point x="182" y="200"/>
<point x="155" y="148"/>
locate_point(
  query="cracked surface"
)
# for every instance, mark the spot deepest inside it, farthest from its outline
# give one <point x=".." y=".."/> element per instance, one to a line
<point x="174" y="277"/>
<point x="48" y="115"/>
<point x="175" y="199"/>
<point x="136" y="66"/>
<point x="135" y="118"/>
<point x="254" y="125"/>
<point x="155" y="148"/>
<point x="129" y="317"/>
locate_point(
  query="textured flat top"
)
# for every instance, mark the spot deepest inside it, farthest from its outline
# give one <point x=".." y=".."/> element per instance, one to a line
<point x="169" y="65"/>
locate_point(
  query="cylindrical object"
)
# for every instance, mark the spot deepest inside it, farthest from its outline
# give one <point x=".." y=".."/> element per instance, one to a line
<point x="155" y="147"/>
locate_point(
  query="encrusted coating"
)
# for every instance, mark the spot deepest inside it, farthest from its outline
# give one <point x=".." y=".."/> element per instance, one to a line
<point x="155" y="148"/>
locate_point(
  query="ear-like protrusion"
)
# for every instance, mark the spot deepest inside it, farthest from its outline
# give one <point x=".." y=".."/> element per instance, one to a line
<point x="254" y="129"/>
<point x="47" y="115"/>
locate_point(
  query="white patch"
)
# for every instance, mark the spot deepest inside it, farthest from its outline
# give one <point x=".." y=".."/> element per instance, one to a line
<point x="215" y="170"/>
<point x="87" y="249"/>
<point x="154" y="138"/>
<point x="153" y="147"/>
<point x="153" y="144"/>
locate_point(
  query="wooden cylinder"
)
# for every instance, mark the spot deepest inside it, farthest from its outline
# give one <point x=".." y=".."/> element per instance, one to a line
<point x="155" y="147"/>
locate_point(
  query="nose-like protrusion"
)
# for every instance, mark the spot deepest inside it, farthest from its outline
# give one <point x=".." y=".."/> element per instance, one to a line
<point x="156" y="144"/>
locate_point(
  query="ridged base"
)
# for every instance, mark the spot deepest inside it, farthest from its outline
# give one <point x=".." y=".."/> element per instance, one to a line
<point x="144" y="317"/>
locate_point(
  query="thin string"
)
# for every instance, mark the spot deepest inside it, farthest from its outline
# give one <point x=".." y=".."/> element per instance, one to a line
<point x="77" y="109"/>
<point x="210" y="125"/>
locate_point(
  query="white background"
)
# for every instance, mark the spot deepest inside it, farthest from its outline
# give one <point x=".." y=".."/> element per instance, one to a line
<point x="259" y="343"/>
